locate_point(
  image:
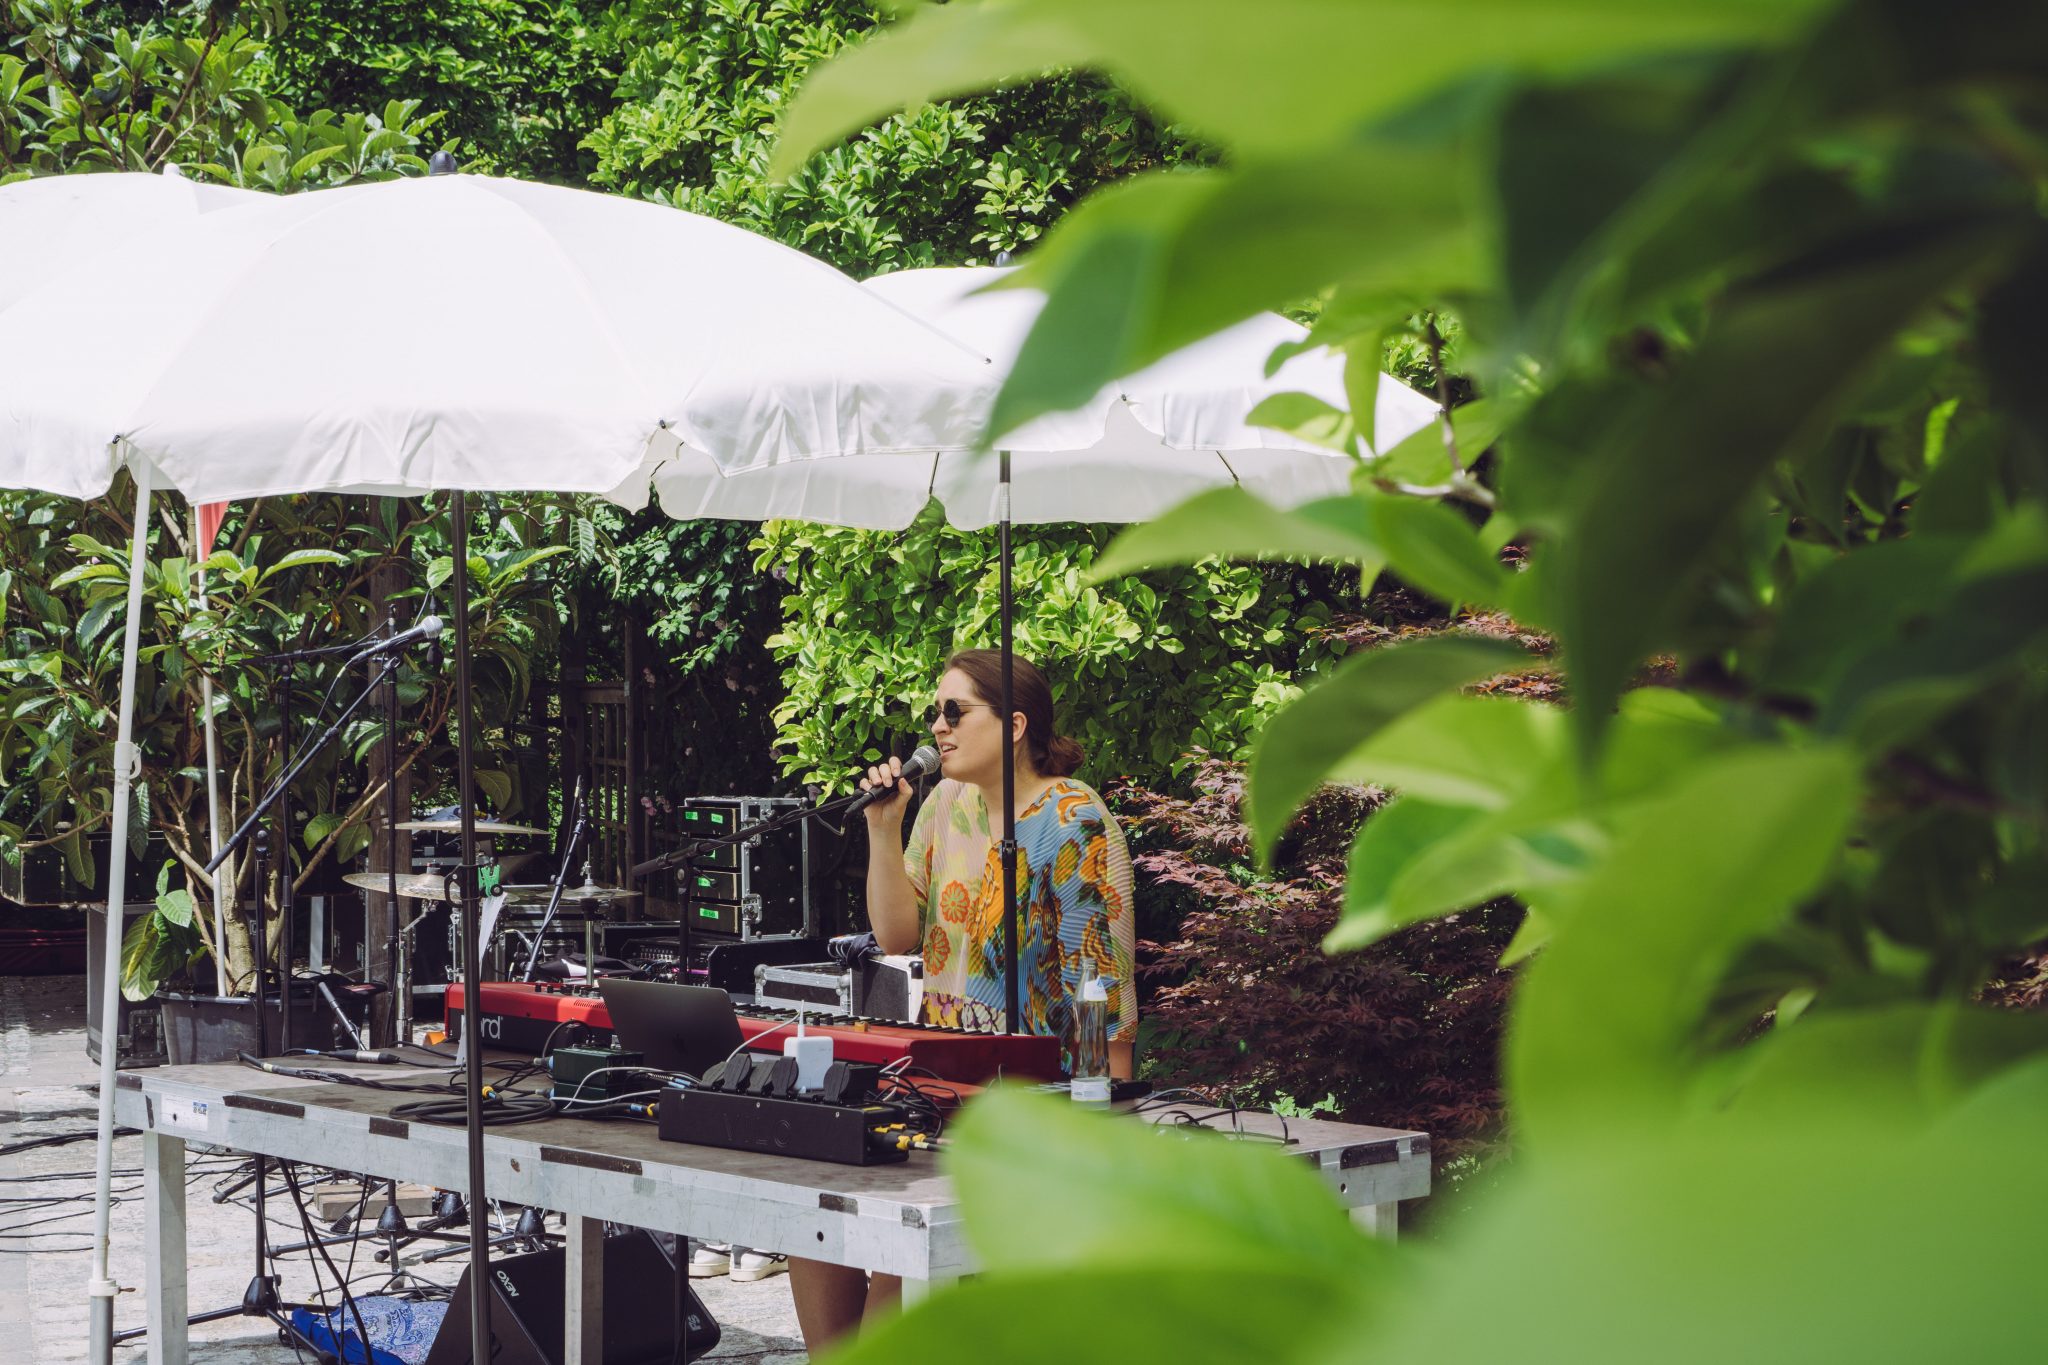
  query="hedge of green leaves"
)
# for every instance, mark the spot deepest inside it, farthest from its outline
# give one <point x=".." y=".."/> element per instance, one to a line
<point x="1144" y="671"/>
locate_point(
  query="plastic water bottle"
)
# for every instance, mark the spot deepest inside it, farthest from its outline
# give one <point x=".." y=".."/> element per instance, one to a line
<point x="1091" y="1039"/>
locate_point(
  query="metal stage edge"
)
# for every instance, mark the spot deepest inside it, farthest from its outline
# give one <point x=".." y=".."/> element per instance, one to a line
<point x="899" y="1219"/>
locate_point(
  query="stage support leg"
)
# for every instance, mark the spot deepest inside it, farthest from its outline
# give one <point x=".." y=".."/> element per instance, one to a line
<point x="163" y="1205"/>
<point x="1379" y="1220"/>
<point x="583" y="1333"/>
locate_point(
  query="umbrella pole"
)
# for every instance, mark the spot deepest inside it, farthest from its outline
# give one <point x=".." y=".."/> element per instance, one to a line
<point x="1012" y="1015"/>
<point x="127" y="762"/>
<point x="472" y="1028"/>
<point x="225" y="877"/>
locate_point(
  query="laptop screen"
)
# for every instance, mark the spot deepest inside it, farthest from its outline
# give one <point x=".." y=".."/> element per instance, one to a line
<point x="676" y="1028"/>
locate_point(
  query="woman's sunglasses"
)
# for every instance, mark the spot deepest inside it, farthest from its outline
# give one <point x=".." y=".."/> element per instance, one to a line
<point x="953" y="710"/>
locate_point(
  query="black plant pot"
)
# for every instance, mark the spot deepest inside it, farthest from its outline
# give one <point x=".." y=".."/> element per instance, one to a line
<point x="217" y="1028"/>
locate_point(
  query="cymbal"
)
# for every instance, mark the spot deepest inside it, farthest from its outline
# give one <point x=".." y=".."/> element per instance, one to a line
<point x="432" y="886"/>
<point x="426" y="886"/>
<point x="586" y="892"/>
<point x="455" y="827"/>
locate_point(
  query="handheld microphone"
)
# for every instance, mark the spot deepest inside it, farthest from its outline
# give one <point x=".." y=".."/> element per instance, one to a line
<point x="428" y="628"/>
<point x="922" y="763"/>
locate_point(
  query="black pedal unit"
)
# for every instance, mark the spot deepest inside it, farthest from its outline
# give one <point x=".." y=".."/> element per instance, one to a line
<point x="781" y="1127"/>
<point x="586" y="1074"/>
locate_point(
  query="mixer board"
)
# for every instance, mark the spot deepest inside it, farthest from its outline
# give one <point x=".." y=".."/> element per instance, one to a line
<point x="531" y="1017"/>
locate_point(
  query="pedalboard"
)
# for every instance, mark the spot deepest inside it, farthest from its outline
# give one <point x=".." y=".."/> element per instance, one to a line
<point x="754" y="1107"/>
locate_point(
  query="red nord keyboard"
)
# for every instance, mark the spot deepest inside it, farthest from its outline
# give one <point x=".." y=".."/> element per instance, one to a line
<point x="515" y="1014"/>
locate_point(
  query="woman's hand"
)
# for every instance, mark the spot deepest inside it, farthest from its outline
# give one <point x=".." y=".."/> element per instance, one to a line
<point x="887" y="813"/>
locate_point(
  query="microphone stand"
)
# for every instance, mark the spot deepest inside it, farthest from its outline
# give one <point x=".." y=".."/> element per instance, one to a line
<point x="547" y="919"/>
<point x="261" y="1298"/>
<point x="306" y="755"/>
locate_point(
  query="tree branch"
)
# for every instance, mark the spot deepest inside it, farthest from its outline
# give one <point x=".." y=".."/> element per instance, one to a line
<point x="169" y="129"/>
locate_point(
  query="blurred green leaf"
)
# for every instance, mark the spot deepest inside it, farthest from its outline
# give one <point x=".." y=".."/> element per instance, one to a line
<point x="1304" y="743"/>
<point x="1306" y="71"/>
<point x="1605" y="1019"/>
<point x="1230" y="523"/>
<point x="1437" y="550"/>
<point x="1047" y="1185"/>
<point x="1144" y="269"/>
<point x="1784" y="352"/>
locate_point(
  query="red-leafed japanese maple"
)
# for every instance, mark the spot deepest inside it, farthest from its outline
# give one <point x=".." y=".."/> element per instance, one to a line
<point x="1403" y="1034"/>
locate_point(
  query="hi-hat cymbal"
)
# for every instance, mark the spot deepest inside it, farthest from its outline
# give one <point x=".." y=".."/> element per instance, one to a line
<point x="455" y="827"/>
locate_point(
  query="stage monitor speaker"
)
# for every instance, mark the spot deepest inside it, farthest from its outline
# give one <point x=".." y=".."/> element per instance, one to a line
<point x="528" y="1317"/>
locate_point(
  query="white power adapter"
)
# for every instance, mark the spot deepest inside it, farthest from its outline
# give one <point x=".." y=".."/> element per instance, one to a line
<point x="813" y="1055"/>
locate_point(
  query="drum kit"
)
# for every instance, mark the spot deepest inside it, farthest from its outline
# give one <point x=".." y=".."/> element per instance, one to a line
<point x="522" y="933"/>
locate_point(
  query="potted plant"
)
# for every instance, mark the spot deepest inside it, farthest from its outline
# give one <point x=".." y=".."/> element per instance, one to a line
<point x="286" y="573"/>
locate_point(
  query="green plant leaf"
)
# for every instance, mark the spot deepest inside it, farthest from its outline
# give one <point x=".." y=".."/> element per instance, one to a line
<point x="1437" y="550"/>
<point x="1916" y="1060"/>
<point x="1147" y="267"/>
<point x="176" y="907"/>
<point x="1457" y="750"/>
<point x="1307" y="418"/>
<point x="1763" y="1206"/>
<point x="1302" y="745"/>
<point x="1605" y="1019"/>
<point x="1794" y="346"/>
<point x="299" y="559"/>
<point x="1419" y="458"/>
<point x="1305" y="72"/>
<point x="496" y="785"/>
<point x="1141" y="1311"/>
<point x="1045" y="1185"/>
<point x="1392" y="838"/>
<point x="1230" y="523"/>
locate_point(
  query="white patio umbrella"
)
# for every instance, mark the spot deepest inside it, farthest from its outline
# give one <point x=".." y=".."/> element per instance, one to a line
<point x="54" y="224"/>
<point x="452" y="333"/>
<point x="1138" y="447"/>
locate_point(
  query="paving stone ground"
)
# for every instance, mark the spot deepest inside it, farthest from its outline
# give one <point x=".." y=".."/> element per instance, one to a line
<point x="48" y="1086"/>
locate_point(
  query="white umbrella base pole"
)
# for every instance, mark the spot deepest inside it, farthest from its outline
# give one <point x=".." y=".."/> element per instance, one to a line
<point x="100" y="1336"/>
<point x="100" y="1286"/>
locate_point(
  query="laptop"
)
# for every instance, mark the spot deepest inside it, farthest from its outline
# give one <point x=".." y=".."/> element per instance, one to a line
<point x="676" y="1028"/>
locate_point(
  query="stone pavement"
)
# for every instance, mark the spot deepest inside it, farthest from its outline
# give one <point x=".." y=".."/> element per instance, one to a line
<point x="48" y="1086"/>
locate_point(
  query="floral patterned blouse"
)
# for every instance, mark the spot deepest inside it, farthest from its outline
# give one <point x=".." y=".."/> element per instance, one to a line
<point x="1073" y="901"/>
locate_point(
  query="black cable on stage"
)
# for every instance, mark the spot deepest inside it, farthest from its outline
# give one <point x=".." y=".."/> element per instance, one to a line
<point x="348" y="1299"/>
<point x="62" y="1139"/>
<point x="499" y="1110"/>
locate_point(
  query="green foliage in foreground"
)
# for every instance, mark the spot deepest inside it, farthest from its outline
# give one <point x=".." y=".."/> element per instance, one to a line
<point x="1142" y="670"/>
<point x="1754" y="294"/>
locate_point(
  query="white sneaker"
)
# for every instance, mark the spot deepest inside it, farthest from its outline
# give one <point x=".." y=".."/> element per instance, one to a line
<point x="749" y="1264"/>
<point x="708" y="1259"/>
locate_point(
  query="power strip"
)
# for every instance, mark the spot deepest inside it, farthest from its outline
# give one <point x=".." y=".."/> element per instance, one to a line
<point x="812" y="1129"/>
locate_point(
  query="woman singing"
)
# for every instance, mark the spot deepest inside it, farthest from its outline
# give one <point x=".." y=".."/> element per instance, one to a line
<point x="942" y="895"/>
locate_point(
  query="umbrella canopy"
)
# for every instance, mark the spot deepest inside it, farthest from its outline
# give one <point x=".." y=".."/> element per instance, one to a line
<point x="462" y="332"/>
<point x="53" y="224"/>
<point x="1137" y="448"/>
